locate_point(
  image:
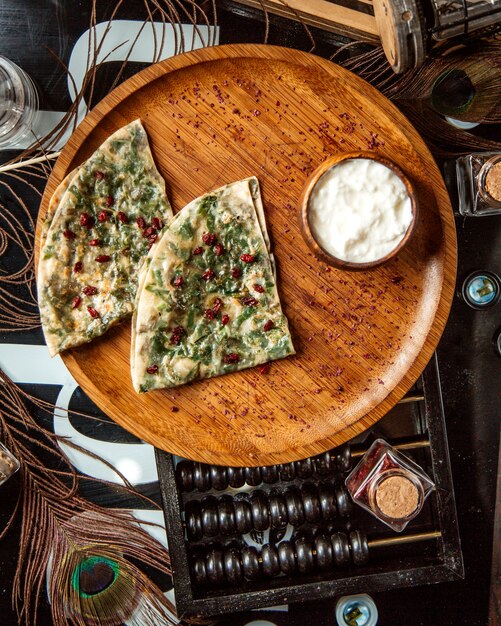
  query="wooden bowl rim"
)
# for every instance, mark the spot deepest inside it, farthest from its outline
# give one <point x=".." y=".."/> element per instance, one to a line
<point x="305" y="225"/>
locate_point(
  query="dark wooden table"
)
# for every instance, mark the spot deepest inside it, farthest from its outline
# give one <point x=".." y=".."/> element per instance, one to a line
<point x="470" y="369"/>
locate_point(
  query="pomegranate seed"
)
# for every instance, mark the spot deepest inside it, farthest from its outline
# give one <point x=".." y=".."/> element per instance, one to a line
<point x="247" y="258"/>
<point x="264" y="369"/>
<point x="236" y="272"/>
<point x="249" y="301"/>
<point x="122" y="217"/>
<point x="225" y="319"/>
<point x="99" y="175"/>
<point x="218" y="249"/>
<point x="198" y="250"/>
<point x="209" y="314"/>
<point x="69" y="234"/>
<point x="77" y="268"/>
<point x="148" y="232"/>
<point x="89" y="290"/>
<point x="103" y="258"/>
<point x="92" y="312"/>
<point x="209" y="239"/>
<point x="157" y="223"/>
<point x="268" y="326"/>
<point x="110" y="201"/>
<point x="232" y="357"/>
<point x="178" y="281"/>
<point x="208" y="274"/>
<point x="103" y="216"/>
<point x="218" y="303"/>
<point x="152" y="239"/>
<point x="152" y="369"/>
<point x="259" y="288"/>
<point x="94" y="242"/>
<point x="141" y="222"/>
<point x="76" y="302"/>
<point x="176" y="335"/>
<point x="86" y="220"/>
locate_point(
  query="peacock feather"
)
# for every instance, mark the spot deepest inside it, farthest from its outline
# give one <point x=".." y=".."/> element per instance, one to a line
<point x="463" y="84"/>
<point x="89" y="556"/>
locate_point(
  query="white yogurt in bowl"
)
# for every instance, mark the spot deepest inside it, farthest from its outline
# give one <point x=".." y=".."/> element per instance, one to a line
<point x="359" y="210"/>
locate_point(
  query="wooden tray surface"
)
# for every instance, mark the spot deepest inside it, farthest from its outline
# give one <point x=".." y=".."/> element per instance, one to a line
<point x="220" y="114"/>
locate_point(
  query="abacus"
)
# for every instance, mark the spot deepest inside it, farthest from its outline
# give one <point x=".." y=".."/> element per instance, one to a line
<point x="248" y="537"/>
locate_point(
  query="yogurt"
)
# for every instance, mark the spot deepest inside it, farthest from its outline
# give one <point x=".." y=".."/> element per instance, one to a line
<point x="359" y="210"/>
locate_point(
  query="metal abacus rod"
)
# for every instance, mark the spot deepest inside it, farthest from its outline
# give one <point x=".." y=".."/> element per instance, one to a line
<point x="228" y="515"/>
<point x="232" y="564"/>
<point x="191" y="475"/>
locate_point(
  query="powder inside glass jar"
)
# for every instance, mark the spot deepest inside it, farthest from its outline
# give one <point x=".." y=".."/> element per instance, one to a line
<point x="397" y="497"/>
<point x="493" y="181"/>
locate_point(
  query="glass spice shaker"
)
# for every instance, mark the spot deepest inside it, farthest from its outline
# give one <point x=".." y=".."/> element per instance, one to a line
<point x="478" y="178"/>
<point x="18" y="104"/>
<point x="8" y="464"/>
<point x="389" y="485"/>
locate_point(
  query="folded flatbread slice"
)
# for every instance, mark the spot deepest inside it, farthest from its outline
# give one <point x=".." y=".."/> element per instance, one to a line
<point x="209" y="303"/>
<point x="112" y="211"/>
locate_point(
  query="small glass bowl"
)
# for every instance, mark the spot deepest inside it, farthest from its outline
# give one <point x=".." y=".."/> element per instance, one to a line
<point x="380" y="463"/>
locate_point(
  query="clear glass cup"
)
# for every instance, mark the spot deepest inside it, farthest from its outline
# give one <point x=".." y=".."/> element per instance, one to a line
<point x="18" y="104"/>
<point x="8" y="464"/>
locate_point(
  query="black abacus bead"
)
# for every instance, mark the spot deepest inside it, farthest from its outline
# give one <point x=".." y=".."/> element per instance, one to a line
<point x="193" y="520"/>
<point x="287" y="558"/>
<point x="250" y="563"/>
<point x="359" y="547"/>
<point x="294" y="505"/>
<point x="304" y="468"/>
<point x="325" y="554"/>
<point x="253" y="476"/>
<point x="343" y="458"/>
<point x="311" y="503"/>
<point x="218" y="477"/>
<point x="209" y="516"/>
<point x="287" y="471"/>
<point x="226" y="515"/>
<point x="214" y="566"/>
<point x="327" y="501"/>
<point x="259" y="508"/>
<point x="343" y="501"/>
<point x="304" y="555"/>
<point x="198" y="570"/>
<point x="270" y="561"/>
<point x="340" y="548"/>
<point x="236" y="477"/>
<point x="323" y="463"/>
<point x="243" y="516"/>
<point x="184" y="475"/>
<point x="232" y="565"/>
<point x="277" y="509"/>
<point x="269" y="474"/>
<point x="201" y="477"/>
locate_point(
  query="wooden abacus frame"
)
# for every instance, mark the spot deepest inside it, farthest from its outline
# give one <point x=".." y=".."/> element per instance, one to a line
<point x="446" y="565"/>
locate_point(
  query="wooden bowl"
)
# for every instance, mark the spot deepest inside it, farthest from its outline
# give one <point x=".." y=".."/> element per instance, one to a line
<point x="304" y="202"/>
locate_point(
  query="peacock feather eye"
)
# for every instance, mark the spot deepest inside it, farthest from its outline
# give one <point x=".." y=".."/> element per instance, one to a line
<point x="104" y="590"/>
<point x="453" y="92"/>
<point x="94" y="574"/>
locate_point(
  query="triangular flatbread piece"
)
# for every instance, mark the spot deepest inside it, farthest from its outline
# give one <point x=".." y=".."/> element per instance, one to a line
<point x="209" y="303"/>
<point x="112" y="212"/>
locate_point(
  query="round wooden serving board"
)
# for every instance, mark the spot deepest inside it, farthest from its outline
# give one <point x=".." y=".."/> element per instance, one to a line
<point x="221" y="114"/>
